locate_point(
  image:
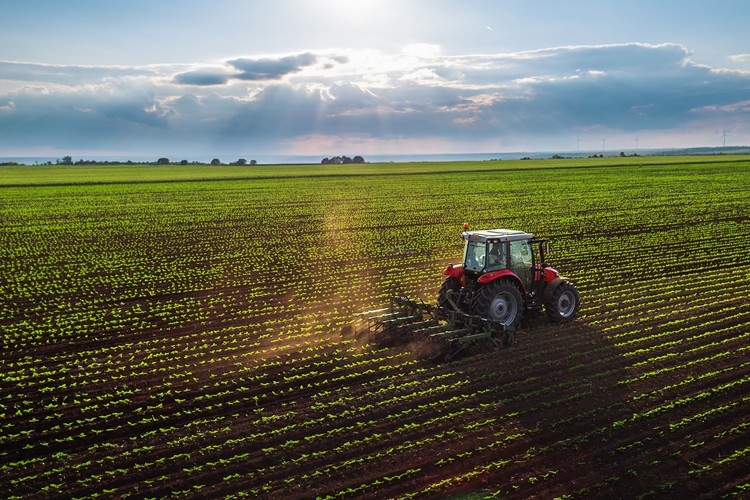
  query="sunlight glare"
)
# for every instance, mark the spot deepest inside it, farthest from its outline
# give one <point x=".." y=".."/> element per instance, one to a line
<point x="351" y="11"/>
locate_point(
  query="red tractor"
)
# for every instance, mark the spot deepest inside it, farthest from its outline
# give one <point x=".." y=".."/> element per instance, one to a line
<point x="503" y="275"/>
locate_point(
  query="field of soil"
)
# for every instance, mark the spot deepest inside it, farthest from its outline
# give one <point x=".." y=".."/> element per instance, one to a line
<point x="193" y="332"/>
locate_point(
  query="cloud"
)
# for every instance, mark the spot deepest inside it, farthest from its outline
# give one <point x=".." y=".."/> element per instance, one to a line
<point x="68" y="75"/>
<point x="80" y="119"/>
<point x="201" y="78"/>
<point x="252" y="69"/>
<point x="272" y="69"/>
<point x="418" y="96"/>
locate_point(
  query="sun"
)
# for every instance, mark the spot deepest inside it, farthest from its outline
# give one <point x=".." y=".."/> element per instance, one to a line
<point x="352" y="11"/>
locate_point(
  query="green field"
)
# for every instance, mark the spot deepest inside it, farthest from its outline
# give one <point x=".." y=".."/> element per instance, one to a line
<point x="185" y="331"/>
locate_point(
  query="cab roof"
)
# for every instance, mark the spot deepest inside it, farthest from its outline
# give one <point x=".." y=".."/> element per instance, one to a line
<point x="494" y="235"/>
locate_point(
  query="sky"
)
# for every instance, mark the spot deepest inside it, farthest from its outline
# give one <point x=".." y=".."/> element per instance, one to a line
<point x="189" y="78"/>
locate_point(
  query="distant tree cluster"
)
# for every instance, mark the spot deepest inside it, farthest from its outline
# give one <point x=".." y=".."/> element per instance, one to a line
<point x="242" y="162"/>
<point x="342" y="160"/>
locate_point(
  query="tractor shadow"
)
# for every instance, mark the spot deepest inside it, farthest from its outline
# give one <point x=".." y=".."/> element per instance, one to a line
<point x="561" y="385"/>
<point x="558" y="361"/>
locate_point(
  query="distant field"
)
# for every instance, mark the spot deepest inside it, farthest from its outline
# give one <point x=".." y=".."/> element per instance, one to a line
<point x="184" y="331"/>
<point x="88" y="174"/>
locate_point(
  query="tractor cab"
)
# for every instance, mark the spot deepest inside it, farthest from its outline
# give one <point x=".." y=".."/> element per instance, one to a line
<point x="502" y="251"/>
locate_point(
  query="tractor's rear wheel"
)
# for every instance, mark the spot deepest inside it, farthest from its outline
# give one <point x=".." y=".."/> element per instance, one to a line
<point x="500" y="301"/>
<point x="563" y="305"/>
<point x="451" y="286"/>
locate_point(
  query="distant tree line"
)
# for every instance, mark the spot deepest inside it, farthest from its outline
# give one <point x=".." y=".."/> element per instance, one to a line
<point x="68" y="160"/>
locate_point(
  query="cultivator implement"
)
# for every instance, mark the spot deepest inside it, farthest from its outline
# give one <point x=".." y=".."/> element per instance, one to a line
<point x="440" y="331"/>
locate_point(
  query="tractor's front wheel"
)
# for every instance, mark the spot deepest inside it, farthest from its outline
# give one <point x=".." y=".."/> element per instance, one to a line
<point x="500" y="301"/>
<point x="563" y="305"/>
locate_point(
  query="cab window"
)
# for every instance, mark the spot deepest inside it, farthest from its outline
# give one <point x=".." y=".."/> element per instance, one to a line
<point x="521" y="260"/>
<point x="497" y="257"/>
<point x="474" y="256"/>
<point x="520" y="252"/>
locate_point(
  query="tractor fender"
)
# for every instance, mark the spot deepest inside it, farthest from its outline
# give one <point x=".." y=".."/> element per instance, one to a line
<point x="503" y="273"/>
<point x="551" y="287"/>
<point x="454" y="271"/>
<point x="550" y="274"/>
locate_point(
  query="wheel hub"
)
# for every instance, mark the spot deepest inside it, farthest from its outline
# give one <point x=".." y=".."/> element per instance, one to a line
<point x="565" y="304"/>
<point x="503" y="308"/>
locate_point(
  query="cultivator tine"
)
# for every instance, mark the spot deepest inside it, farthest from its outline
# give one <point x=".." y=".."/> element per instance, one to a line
<point x="374" y="312"/>
<point x="451" y="333"/>
<point x="403" y="315"/>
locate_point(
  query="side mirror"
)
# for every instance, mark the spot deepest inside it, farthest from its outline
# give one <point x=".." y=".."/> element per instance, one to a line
<point x="543" y="251"/>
